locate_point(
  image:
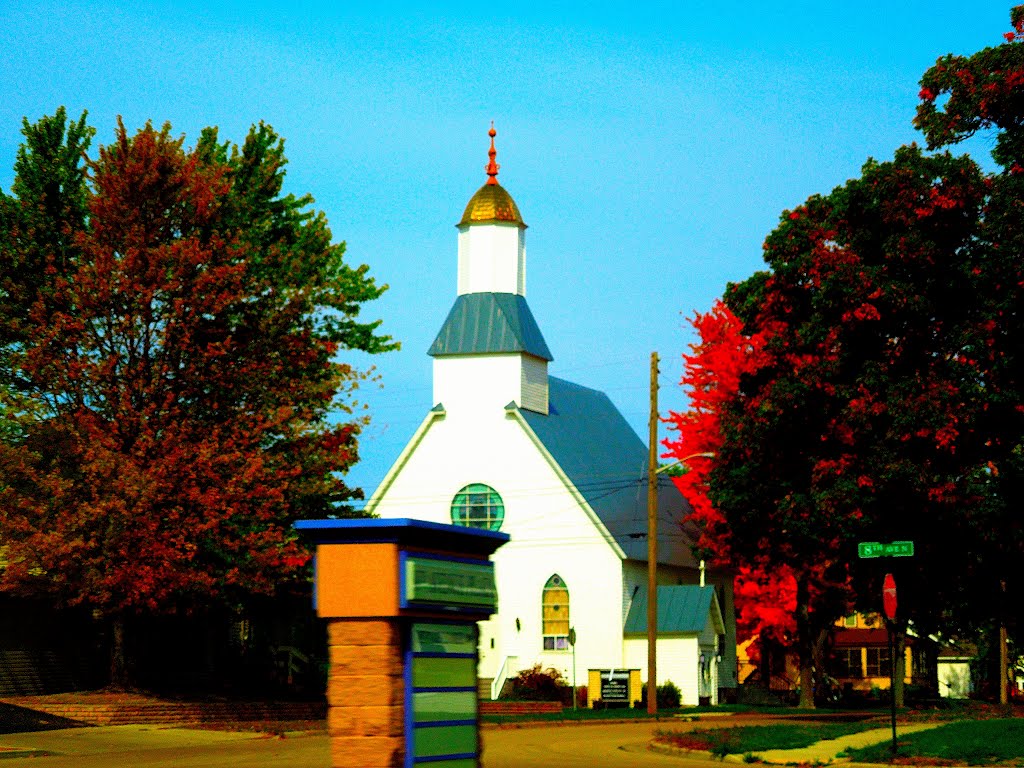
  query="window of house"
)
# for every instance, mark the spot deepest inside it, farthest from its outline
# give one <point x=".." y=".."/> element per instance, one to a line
<point x="478" y="506"/>
<point x="847" y="663"/>
<point x="555" y="614"/>
<point x="851" y="621"/>
<point x="878" y="662"/>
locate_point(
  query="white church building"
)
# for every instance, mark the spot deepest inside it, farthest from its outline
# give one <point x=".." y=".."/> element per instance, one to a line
<point x="507" y="446"/>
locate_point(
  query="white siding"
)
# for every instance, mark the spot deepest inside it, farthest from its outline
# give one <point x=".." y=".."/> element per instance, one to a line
<point x="678" y="659"/>
<point x="535" y="384"/>
<point x="478" y="383"/>
<point x="492" y="259"/>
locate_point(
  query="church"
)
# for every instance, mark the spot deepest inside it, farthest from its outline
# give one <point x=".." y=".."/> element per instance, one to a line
<point x="507" y="446"/>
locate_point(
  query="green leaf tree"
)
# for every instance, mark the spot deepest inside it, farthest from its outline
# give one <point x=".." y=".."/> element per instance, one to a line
<point x="962" y="96"/>
<point x="858" y="421"/>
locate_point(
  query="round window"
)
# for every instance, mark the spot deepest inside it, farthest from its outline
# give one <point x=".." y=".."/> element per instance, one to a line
<point x="478" y="506"/>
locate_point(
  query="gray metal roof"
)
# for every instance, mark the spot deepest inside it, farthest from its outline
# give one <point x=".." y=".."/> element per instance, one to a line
<point x="482" y="323"/>
<point x="685" y="608"/>
<point x="607" y="462"/>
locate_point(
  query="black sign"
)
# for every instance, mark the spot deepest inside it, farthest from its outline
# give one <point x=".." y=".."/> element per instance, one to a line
<point x="615" y="685"/>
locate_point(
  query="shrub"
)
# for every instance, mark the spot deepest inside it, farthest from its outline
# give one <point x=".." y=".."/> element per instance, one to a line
<point x="536" y="684"/>
<point x="669" y="696"/>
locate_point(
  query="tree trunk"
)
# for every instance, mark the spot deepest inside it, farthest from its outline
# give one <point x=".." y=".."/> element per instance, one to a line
<point x="766" y="663"/>
<point x="118" y="666"/>
<point x="805" y="642"/>
<point x="899" y="644"/>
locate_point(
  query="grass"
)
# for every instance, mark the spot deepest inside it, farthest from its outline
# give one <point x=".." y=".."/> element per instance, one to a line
<point x="970" y="742"/>
<point x="758" y="738"/>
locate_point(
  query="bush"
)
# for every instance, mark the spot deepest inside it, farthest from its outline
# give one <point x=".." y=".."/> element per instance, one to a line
<point x="669" y="696"/>
<point x="535" y="684"/>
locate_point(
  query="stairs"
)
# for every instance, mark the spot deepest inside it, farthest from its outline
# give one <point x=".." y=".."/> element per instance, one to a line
<point x="483" y="688"/>
<point x="131" y="709"/>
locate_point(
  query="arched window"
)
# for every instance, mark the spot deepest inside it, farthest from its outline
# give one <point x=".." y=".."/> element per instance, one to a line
<point x="478" y="506"/>
<point x="555" y="614"/>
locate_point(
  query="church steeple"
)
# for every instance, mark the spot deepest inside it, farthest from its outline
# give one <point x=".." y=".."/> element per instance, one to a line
<point x="489" y="349"/>
<point x="492" y="238"/>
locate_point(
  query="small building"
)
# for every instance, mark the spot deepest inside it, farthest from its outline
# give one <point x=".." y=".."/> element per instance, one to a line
<point x="954" y="670"/>
<point x="554" y="464"/>
<point x="691" y="639"/>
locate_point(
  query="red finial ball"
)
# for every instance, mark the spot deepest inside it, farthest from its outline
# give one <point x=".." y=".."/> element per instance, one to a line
<point x="492" y="167"/>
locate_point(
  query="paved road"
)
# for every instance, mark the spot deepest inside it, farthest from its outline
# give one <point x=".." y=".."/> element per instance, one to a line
<point x="586" y="746"/>
<point x="589" y="746"/>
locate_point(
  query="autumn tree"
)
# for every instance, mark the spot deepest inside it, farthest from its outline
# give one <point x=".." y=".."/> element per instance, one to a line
<point x="723" y="353"/>
<point x="172" y="336"/>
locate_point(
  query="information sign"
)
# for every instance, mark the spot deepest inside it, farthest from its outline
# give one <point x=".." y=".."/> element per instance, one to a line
<point x="892" y="549"/>
<point x="450" y="583"/>
<point x="615" y="685"/>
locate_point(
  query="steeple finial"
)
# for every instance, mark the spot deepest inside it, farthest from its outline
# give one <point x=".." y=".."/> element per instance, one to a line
<point x="492" y="167"/>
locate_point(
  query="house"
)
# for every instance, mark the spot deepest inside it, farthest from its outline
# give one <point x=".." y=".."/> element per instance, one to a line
<point x="861" y="660"/>
<point x="510" y="447"/>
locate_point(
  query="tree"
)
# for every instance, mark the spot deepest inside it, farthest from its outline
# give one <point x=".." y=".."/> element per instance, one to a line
<point x="711" y="378"/>
<point x="853" y="424"/>
<point x="960" y="97"/>
<point x="170" y="330"/>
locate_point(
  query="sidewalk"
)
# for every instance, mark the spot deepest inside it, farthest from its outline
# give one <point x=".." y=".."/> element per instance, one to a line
<point x="829" y="751"/>
<point x="113" y="739"/>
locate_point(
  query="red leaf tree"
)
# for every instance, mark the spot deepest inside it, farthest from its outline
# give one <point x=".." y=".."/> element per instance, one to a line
<point x="765" y="599"/>
<point x="169" y="332"/>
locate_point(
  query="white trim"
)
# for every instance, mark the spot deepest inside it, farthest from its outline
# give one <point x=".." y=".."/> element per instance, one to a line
<point x="513" y="411"/>
<point x="421" y="431"/>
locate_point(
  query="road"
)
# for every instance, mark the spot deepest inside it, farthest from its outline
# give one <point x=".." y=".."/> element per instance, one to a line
<point x="585" y="746"/>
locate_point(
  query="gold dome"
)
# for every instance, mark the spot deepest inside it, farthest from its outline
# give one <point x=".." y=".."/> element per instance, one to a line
<point x="491" y="203"/>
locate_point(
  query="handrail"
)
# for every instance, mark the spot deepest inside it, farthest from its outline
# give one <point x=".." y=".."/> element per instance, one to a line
<point x="498" y="681"/>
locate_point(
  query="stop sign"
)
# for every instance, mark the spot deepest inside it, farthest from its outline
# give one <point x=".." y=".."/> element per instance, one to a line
<point x="889" y="596"/>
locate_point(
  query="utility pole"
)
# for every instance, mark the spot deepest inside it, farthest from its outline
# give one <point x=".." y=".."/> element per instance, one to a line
<point x="1004" y="656"/>
<point x="652" y="545"/>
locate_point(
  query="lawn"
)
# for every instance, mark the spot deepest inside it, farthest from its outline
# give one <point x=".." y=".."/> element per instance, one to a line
<point x="970" y="742"/>
<point x="757" y="738"/>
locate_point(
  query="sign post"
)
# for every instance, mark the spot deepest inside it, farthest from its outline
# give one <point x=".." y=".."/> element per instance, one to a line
<point x="572" y="642"/>
<point x="889" y="606"/>
<point x="872" y="549"/>
<point x="402" y="599"/>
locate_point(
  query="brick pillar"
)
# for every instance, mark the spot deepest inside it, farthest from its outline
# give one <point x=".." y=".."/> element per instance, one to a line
<point x="365" y="693"/>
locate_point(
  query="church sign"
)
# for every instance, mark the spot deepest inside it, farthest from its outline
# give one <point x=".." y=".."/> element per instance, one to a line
<point x="615" y="685"/>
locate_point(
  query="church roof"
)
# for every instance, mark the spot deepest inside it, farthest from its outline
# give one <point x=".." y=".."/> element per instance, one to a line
<point x="491" y="203"/>
<point x="484" y="323"/>
<point x="681" y="609"/>
<point x="607" y="462"/>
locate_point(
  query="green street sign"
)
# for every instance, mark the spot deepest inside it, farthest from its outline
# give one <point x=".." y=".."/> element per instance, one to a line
<point x="892" y="549"/>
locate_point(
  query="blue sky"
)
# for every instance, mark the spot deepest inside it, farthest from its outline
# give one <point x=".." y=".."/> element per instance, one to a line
<point x="649" y="146"/>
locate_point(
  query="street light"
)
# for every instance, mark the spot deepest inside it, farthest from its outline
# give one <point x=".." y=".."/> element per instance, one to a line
<point x="652" y="566"/>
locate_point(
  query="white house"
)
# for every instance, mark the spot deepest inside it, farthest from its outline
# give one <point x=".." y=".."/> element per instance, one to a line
<point x="555" y="465"/>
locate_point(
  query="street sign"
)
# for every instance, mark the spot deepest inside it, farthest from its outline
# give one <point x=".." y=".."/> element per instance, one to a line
<point x="572" y="636"/>
<point x="892" y="549"/>
<point x="889" y="596"/>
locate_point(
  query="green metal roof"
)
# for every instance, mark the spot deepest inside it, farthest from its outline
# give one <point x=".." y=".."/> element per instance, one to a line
<point x="484" y="323"/>
<point x="607" y="462"/>
<point x="681" y="609"/>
